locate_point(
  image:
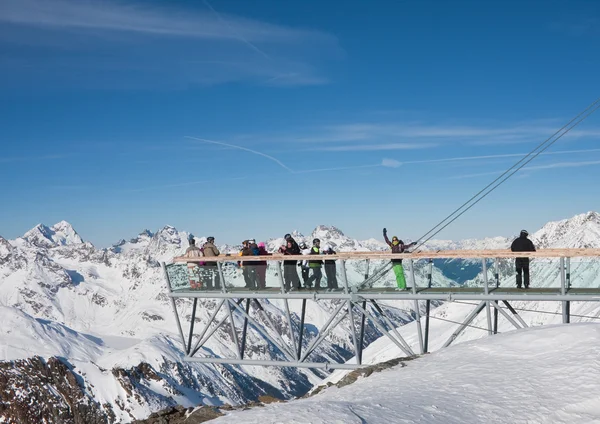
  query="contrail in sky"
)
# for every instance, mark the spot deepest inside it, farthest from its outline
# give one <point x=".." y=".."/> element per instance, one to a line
<point x="238" y="35"/>
<point x="233" y="146"/>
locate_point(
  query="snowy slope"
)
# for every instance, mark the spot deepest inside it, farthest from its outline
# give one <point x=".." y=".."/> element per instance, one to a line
<point x="536" y="375"/>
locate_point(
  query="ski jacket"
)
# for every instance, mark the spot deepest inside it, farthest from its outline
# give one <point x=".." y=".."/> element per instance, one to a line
<point x="193" y="252"/>
<point x="263" y="252"/>
<point x="210" y="249"/>
<point x="305" y="252"/>
<point x="399" y="247"/>
<point x="315" y="264"/>
<point x="329" y="261"/>
<point x="522" y="244"/>
<point x="291" y="248"/>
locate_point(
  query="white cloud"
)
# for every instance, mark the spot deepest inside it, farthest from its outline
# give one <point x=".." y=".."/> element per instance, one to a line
<point x="135" y="44"/>
<point x="391" y="163"/>
<point x="140" y="17"/>
<point x="375" y="147"/>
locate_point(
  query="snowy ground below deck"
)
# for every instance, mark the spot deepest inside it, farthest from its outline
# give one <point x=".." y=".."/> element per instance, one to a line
<point x="537" y="375"/>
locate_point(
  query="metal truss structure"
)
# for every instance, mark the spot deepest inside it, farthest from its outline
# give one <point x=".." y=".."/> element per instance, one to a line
<point x="358" y="304"/>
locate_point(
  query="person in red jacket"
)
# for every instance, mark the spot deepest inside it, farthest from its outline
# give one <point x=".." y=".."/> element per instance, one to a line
<point x="398" y="246"/>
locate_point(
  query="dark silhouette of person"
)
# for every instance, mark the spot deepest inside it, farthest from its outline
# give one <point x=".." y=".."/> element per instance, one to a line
<point x="522" y="244"/>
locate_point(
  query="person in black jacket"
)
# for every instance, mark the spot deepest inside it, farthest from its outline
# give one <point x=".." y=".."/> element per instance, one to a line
<point x="522" y="244"/>
<point x="330" y="269"/>
<point x="290" y="274"/>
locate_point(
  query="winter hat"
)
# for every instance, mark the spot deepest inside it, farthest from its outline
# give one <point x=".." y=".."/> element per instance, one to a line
<point x="524" y="233"/>
<point x="326" y="247"/>
<point x="261" y="244"/>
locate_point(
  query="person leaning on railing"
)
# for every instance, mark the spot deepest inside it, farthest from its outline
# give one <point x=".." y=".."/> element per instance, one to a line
<point x="193" y="251"/>
<point x="522" y="244"/>
<point x="290" y="275"/>
<point x="210" y="268"/>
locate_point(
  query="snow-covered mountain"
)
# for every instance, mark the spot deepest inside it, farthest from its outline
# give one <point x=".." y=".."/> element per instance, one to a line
<point x="106" y="315"/>
<point x="101" y="318"/>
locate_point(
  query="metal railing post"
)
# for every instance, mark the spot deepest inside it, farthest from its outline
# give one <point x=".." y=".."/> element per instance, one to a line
<point x="486" y="290"/>
<point x="497" y="279"/>
<point x="428" y="306"/>
<point x="563" y="290"/>
<point x="417" y="311"/>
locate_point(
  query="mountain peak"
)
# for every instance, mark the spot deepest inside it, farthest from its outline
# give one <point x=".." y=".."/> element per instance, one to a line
<point x="579" y="231"/>
<point x="60" y="234"/>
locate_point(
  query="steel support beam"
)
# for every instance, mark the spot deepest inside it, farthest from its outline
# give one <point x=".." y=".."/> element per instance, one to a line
<point x="497" y="309"/>
<point x="293" y="364"/>
<point x="465" y="323"/>
<point x="362" y="333"/>
<point x="268" y="319"/>
<point x="213" y="316"/>
<point x="396" y="295"/>
<point x="259" y="329"/>
<point x="300" y="336"/>
<point x="350" y="313"/>
<point x="388" y="322"/>
<point x="515" y="313"/>
<point x="166" y="274"/>
<point x="245" y="328"/>
<point x="189" y="346"/>
<point x="381" y="328"/>
<point x="287" y="310"/>
<point x="324" y="333"/>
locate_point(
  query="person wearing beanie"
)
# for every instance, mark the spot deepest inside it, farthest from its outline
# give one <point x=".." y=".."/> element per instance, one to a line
<point x="522" y="244"/>
<point x="315" y="265"/>
<point x="211" y="271"/>
<point x="193" y="252"/>
<point x="330" y="269"/>
<point x="261" y="267"/>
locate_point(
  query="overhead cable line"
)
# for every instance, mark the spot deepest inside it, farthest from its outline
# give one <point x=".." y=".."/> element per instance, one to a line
<point x="508" y="173"/>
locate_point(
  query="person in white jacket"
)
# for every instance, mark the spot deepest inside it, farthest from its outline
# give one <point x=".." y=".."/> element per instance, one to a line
<point x="304" y="265"/>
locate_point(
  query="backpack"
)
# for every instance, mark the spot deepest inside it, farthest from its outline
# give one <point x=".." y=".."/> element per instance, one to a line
<point x="255" y="250"/>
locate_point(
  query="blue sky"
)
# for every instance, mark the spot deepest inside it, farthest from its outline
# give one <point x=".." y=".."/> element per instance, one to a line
<point x="351" y="115"/>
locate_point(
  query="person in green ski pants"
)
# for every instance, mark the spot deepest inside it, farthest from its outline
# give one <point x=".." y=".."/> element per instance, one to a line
<point x="398" y="246"/>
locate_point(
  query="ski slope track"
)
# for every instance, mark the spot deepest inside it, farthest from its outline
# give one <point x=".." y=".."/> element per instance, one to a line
<point x="98" y="327"/>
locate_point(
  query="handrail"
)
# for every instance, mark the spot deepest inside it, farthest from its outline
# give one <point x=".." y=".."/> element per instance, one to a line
<point x="427" y="254"/>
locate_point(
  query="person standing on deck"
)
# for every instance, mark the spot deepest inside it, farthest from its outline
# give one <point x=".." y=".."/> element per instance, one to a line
<point x="248" y="270"/>
<point x="397" y="246"/>
<point x="193" y="252"/>
<point x="305" y="269"/>
<point x="290" y="275"/>
<point x="315" y="265"/>
<point x="210" y="268"/>
<point x="330" y="269"/>
<point x="522" y="244"/>
<point x="261" y="267"/>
